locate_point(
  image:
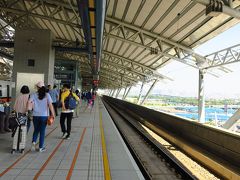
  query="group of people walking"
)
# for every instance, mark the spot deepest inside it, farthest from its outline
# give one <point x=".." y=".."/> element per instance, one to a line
<point x="88" y="97"/>
<point x="37" y="106"/>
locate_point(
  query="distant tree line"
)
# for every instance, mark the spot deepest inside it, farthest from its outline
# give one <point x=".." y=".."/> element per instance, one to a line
<point x="166" y="99"/>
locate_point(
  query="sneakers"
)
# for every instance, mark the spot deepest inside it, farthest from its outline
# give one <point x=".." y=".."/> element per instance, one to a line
<point x="63" y="135"/>
<point x="67" y="137"/>
<point x="42" y="149"/>
<point x="33" y="148"/>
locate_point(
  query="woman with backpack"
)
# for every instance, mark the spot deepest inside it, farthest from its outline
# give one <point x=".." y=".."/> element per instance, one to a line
<point x="41" y="102"/>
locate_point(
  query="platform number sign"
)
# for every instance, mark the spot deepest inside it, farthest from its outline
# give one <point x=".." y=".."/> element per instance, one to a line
<point x="95" y="82"/>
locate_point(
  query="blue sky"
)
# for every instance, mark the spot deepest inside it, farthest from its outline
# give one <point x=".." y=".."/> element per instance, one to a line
<point x="186" y="78"/>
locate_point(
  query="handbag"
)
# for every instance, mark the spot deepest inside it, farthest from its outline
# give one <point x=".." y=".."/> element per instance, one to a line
<point x="16" y="120"/>
<point x="22" y="119"/>
<point x="50" y="120"/>
<point x="13" y="123"/>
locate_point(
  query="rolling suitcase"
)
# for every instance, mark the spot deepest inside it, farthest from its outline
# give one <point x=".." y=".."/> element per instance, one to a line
<point x="19" y="135"/>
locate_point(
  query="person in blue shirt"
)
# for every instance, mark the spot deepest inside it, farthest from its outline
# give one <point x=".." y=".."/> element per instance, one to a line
<point x="40" y="102"/>
<point x="54" y="95"/>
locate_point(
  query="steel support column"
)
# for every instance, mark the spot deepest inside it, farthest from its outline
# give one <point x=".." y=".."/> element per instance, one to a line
<point x="201" y="98"/>
<point x="110" y="91"/>
<point x="113" y="92"/>
<point x="76" y="75"/>
<point x="118" y="92"/>
<point x="127" y="92"/>
<point x="140" y="93"/>
<point x="115" y="95"/>
<point x="149" y="91"/>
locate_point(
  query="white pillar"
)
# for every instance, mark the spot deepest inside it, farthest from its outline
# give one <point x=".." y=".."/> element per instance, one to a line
<point x="150" y="89"/>
<point x="118" y="91"/>
<point x="201" y="98"/>
<point x="110" y="91"/>
<point x="140" y="93"/>
<point x="127" y="92"/>
<point x="113" y="92"/>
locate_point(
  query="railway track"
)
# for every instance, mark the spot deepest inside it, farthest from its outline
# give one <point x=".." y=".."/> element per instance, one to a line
<point x="154" y="160"/>
<point x="207" y="152"/>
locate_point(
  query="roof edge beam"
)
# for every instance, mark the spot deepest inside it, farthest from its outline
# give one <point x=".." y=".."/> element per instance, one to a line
<point x="223" y="57"/>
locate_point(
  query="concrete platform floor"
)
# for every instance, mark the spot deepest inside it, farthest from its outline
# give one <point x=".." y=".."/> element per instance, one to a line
<point x="95" y="151"/>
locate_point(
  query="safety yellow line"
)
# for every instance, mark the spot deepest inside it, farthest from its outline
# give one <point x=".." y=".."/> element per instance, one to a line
<point x="107" y="173"/>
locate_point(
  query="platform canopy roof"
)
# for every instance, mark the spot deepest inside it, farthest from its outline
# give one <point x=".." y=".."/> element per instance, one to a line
<point x="139" y="36"/>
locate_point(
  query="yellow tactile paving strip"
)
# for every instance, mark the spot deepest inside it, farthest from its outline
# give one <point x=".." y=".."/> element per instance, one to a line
<point x="107" y="173"/>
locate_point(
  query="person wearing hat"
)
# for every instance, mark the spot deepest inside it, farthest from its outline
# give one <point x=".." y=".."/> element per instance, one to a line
<point x="40" y="102"/>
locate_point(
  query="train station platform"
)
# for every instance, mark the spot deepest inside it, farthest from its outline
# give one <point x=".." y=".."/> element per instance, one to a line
<point x="94" y="151"/>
